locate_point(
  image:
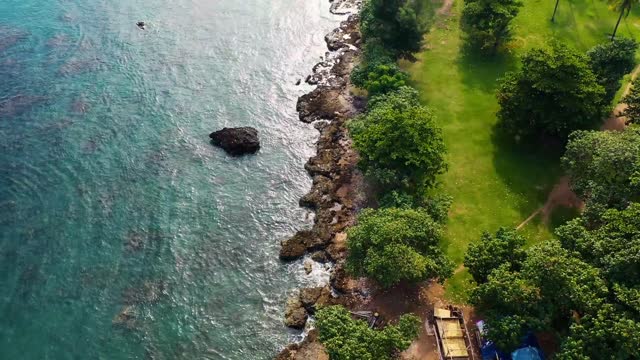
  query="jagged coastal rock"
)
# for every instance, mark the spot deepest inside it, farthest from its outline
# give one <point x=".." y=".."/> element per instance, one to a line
<point x="309" y="349"/>
<point x="337" y="190"/>
<point x="237" y="141"/>
<point x="295" y="315"/>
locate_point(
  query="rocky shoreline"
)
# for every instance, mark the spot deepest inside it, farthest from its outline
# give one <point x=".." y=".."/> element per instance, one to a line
<point x="336" y="193"/>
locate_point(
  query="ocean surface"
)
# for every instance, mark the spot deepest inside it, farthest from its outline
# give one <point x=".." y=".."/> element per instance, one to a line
<point x="124" y="234"/>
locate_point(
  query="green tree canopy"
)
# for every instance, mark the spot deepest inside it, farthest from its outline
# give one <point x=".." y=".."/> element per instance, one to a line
<point x="611" y="243"/>
<point x="380" y="79"/>
<point x="393" y="245"/>
<point x="505" y="248"/>
<point x="487" y="22"/>
<point x="610" y="61"/>
<point x="399" y="143"/>
<point x="604" y="166"/>
<point x="346" y="338"/>
<point x="395" y="23"/>
<point x="632" y="99"/>
<point x="550" y="287"/>
<point x="554" y="93"/>
<point x="610" y="334"/>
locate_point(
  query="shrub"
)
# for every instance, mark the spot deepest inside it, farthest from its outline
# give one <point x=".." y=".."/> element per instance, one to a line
<point x="381" y="79"/>
<point x="393" y="245"/>
<point x="347" y="339"/>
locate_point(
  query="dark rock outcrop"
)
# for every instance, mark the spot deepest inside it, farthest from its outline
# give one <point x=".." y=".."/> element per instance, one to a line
<point x="313" y="298"/>
<point x="323" y="103"/>
<point x="309" y="349"/>
<point x="295" y="315"/>
<point x="337" y="191"/>
<point x="296" y="246"/>
<point x="344" y="36"/>
<point x="237" y="141"/>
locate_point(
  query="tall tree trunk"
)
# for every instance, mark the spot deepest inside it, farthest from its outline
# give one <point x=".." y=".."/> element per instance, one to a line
<point x="618" y="23"/>
<point x="553" y="18"/>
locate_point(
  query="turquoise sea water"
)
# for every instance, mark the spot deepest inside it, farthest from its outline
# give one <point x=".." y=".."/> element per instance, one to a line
<point x="111" y="196"/>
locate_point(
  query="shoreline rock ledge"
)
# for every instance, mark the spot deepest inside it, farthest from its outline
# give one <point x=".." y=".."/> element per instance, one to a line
<point x="236" y="141"/>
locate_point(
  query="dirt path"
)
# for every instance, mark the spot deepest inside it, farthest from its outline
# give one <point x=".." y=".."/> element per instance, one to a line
<point x="561" y="195"/>
<point x="445" y="8"/>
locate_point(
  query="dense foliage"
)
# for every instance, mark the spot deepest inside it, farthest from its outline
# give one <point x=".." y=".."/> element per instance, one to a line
<point x="612" y="243"/>
<point x="610" y="61"/>
<point x="437" y="206"/>
<point x="380" y="79"/>
<point x="399" y="143"/>
<point x="604" y="167"/>
<point x="586" y="287"/>
<point x="487" y="23"/>
<point x="505" y="248"/>
<point x="554" y="93"/>
<point x="549" y="288"/>
<point x="346" y="338"/>
<point x="394" y="245"/>
<point x="610" y="334"/>
<point x="395" y="23"/>
<point x="632" y="99"/>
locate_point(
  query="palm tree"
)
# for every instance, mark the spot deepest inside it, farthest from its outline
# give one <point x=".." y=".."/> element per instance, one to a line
<point x="554" y="11"/>
<point x="624" y="6"/>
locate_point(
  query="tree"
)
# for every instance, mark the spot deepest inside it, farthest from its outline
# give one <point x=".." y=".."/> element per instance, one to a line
<point x="506" y="247"/>
<point x="553" y="17"/>
<point x="604" y="166"/>
<point x="610" y="242"/>
<point x="346" y="338"/>
<point x="550" y="287"/>
<point x="403" y="98"/>
<point x="511" y="306"/>
<point x="395" y="23"/>
<point x="567" y="284"/>
<point x="374" y="54"/>
<point x="611" y="61"/>
<point x="610" y="334"/>
<point x="381" y="79"/>
<point x="624" y="7"/>
<point x="437" y="206"/>
<point x="632" y="112"/>
<point x="487" y="22"/>
<point x="399" y="144"/>
<point x="554" y="93"/>
<point x="393" y="245"/>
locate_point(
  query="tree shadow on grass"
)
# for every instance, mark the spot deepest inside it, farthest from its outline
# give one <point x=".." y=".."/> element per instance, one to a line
<point x="482" y="70"/>
<point x="529" y="171"/>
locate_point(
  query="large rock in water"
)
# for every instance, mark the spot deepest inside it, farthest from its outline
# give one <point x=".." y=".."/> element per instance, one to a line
<point x="295" y="315"/>
<point x="237" y="141"/>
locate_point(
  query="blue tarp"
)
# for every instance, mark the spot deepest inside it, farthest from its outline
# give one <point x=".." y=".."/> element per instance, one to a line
<point x="528" y="350"/>
<point x="527" y="353"/>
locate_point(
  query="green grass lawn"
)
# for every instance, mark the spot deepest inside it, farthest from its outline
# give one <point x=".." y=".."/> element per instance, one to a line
<point x="494" y="184"/>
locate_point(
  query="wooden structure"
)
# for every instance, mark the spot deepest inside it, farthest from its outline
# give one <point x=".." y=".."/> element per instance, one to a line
<point x="452" y="337"/>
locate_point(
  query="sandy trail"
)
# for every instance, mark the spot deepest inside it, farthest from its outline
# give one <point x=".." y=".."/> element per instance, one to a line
<point x="445" y="8"/>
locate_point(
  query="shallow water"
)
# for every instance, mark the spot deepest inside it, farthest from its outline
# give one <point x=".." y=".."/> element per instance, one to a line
<point x="111" y="196"/>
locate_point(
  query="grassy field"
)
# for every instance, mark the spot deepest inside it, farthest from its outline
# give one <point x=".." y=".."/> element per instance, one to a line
<point x="492" y="183"/>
